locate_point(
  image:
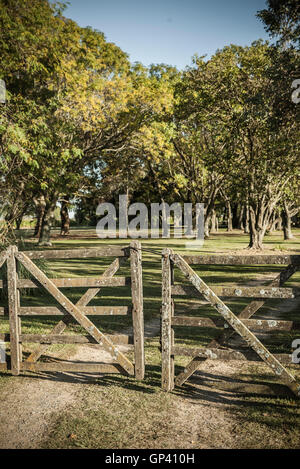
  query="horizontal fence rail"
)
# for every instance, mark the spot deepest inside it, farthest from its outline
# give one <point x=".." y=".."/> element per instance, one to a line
<point x="252" y="324"/>
<point x="120" y="339"/>
<point x="242" y="292"/>
<point x="109" y="251"/>
<point x="76" y="282"/>
<point x="273" y="259"/>
<point x="60" y="311"/>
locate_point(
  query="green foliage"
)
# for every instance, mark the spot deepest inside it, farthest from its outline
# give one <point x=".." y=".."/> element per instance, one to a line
<point x="282" y="20"/>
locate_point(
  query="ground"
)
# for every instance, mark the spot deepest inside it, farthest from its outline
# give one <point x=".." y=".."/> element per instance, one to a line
<point x="225" y="405"/>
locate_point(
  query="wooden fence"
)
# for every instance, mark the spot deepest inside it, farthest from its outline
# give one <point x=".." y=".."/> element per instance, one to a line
<point x="70" y="311"/>
<point x="243" y="324"/>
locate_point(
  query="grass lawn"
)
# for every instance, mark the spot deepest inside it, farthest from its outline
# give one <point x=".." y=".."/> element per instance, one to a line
<point x="119" y="402"/>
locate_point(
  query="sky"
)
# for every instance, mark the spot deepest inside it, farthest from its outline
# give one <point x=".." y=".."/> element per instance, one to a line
<point x="171" y="31"/>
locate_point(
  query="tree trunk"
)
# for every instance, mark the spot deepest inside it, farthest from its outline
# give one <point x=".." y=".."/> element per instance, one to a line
<point x="259" y="219"/>
<point x="65" y="219"/>
<point x="44" y="239"/>
<point x="207" y="217"/>
<point x="210" y="205"/>
<point x="279" y="224"/>
<point x="272" y="223"/>
<point x="246" y="220"/>
<point x="240" y="223"/>
<point x="19" y="221"/>
<point x="256" y="239"/>
<point x="214" y="222"/>
<point x="206" y="227"/>
<point x="40" y="205"/>
<point x="229" y="215"/>
<point x="287" y="222"/>
<point x="256" y="235"/>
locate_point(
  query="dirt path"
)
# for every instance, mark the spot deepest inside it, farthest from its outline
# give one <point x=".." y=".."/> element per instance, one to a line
<point x="27" y="405"/>
<point x="30" y="403"/>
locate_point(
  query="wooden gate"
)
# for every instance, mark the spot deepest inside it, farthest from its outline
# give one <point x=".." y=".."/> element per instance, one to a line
<point x="242" y="324"/>
<point x="70" y="311"/>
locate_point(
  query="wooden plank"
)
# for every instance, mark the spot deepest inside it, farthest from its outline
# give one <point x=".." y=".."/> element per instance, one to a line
<point x="197" y="321"/>
<point x="82" y="302"/>
<point x="73" y="367"/>
<point x="137" y="308"/>
<point x="86" y="310"/>
<point x="240" y="291"/>
<point x="19" y="319"/>
<point x="251" y="340"/>
<point x="107" y="251"/>
<point x="117" y="339"/>
<point x="273" y="259"/>
<point x="166" y="330"/>
<point x="79" y="282"/>
<point x="14" y="326"/>
<point x="3" y="367"/>
<point x="172" y="274"/>
<point x="230" y="354"/>
<point x="74" y="311"/>
<point x="252" y="324"/>
<point x="189" y="369"/>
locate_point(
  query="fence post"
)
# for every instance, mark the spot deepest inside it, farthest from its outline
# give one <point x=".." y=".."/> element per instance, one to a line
<point x="167" y="375"/>
<point x="137" y="308"/>
<point x="13" y="309"/>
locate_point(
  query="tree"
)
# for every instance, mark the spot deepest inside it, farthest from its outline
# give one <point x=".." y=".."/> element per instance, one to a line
<point x="74" y="94"/>
<point x="266" y="132"/>
<point x="237" y="132"/>
<point x="290" y="206"/>
<point x="139" y="167"/>
<point x="282" y="20"/>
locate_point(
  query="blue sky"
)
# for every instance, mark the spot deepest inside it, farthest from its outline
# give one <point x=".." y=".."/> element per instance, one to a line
<point x="171" y="31"/>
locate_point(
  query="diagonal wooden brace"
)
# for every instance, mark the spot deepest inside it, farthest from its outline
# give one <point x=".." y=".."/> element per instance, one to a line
<point x="74" y="311"/>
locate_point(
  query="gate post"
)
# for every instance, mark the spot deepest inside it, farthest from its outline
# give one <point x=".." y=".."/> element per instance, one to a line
<point x="13" y="310"/>
<point x="167" y="372"/>
<point x="137" y="308"/>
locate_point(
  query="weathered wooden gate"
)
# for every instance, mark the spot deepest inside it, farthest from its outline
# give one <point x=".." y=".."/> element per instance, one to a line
<point x="70" y="311"/>
<point x="241" y="324"/>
